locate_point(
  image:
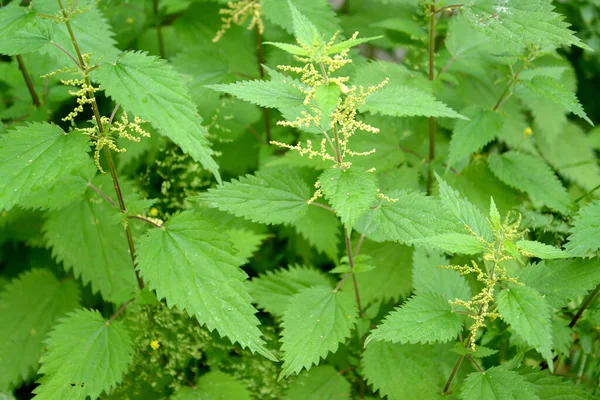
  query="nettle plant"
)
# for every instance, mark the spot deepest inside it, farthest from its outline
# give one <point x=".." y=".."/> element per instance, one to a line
<point x="392" y="246"/>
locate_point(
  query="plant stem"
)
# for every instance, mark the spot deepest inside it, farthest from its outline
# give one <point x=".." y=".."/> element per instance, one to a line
<point x="586" y="194"/>
<point x="584" y="306"/>
<point x="107" y="154"/>
<point x="102" y="194"/>
<point x="475" y="363"/>
<point x="146" y="220"/>
<point x="261" y="70"/>
<point x="442" y="9"/>
<point x="159" y="36"/>
<point x="120" y="310"/>
<point x="34" y="96"/>
<point x="354" y="280"/>
<point x="432" y="13"/>
<point x="506" y="94"/>
<point x="323" y="206"/>
<point x="457" y="365"/>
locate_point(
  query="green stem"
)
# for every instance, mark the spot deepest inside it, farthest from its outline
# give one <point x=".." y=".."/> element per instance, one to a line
<point x="107" y="153"/>
<point x="432" y="12"/>
<point x="584" y="306"/>
<point x="506" y="94"/>
<point x="159" y="36"/>
<point x="261" y="60"/>
<point x="34" y="96"/>
<point x="120" y="310"/>
<point x="354" y="280"/>
<point x="587" y="194"/>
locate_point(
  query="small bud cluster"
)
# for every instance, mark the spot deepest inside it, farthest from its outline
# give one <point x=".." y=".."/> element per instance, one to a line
<point x="238" y="13"/>
<point x="82" y="95"/>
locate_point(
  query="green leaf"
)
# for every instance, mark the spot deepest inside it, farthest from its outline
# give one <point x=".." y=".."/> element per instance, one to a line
<point x="86" y="356"/>
<point x="552" y="90"/>
<point x="317" y="12"/>
<point x="36" y="156"/>
<point x="412" y="216"/>
<point x="552" y="387"/>
<point x="321" y="228"/>
<point x="271" y="196"/>
<point x="214" y="385"/>
<point x="532" y="176"/>
<point x="326" y="99"/>
<point x="404" y="371"/>
<point x="456" y="243"/>
<point x="585" y="233"/>
<point x="528" y="313"/>
<point x="347" y="44"/>
<point x="424" y="318"/>
<point x="428" y="278"/>
<point x="522" y="21"/>
<point x="314" y="324"/>
<point x="541" y="250"/>
<point x="151" y="89"/>
<point x="191" y="264"/>
<point x="464" y="210"/>
<point x="400" y="101"/>
<point x="304" y="30"/>
<point x="349" y="191"/>
<point x="29" y="306"/>
<point x="471" y="136"/>
<point x="88" y="240"/>
<point x="497" y="383"/>
<point x="272" y="291"/>
<point x="290" y="48"/>
<point x="563" y="280"/>
<point x="323" y="383"/>
<point x="276" y="93"/>
<point x="21" y="31"/>
<point x="246" y="241"/>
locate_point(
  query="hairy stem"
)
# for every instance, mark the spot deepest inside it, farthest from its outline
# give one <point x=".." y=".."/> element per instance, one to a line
<point x="586" y="303"/>
<point x="261" y="70"/>
<point x="354" y="280"/>
<point x="107" y="153"/>
<point x="455" y="369"/>
<point x="432" y="13"/>
<point x="34" y="96"/>
<point x="475" y="363"/>
<point x="159" y="36"/>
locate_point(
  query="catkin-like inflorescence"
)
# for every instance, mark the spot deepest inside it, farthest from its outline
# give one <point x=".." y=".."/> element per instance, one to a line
<point x="237" y="13"/>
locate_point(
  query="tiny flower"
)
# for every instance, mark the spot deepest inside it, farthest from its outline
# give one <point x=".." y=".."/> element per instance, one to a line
<point x="154" y="344"/>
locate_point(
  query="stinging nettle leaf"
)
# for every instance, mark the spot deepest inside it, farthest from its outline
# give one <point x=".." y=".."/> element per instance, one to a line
<point x="21" y="31"/>
<point x="315" y="323"/>
<point x="86" y="356"/>
<point x="528" y="313"/>
<point x="428" y="277"/>
<point x="349" y="191"/>
<point x="585" y="233"/>
<point x="214" y="385"/>
<point x="36" y="156"/>
<point x="318" y="12"/>
<point x="304" y="30"/>
<point x="29" y="306"/>
<point x="151" y="89"/>
<point x="271" y="196"/>
<point x="456" y="243"/>
<point x="322" y="382"/>
<point x="424" y="318"/>
<point x="533" y="176"/>
<point x="191" y="264"/>
<point x="497" y="383"/>
<point x="541" y="250"/>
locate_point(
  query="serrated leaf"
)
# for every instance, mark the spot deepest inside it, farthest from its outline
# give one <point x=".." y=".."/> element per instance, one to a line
<point x="497" y="383"/>
<point x="585" y="233"/>
<point x="214" y="385"/>
<point x="272" y="291"/>
<point x="35" y="157"/>
<point x="321" y="228"/>
<point x="400" y="101"/>
<point x="456" y="243"/>
<point x="424" y="318"/>
<point x="522" y="21"/>
<point x="552" y="90"/>
<point x="528" y="313"/>
<point x="349" y="191"/>
<point x="88" y="240"/>
<point x="276" y="93"/>
<point x="412" y="216"/>
<point x="471" y="136"/>
<point x="347" y="44"/>
<point x="318" y="12"/>
<point x="86" y="356"/>
<point x="326" y="99"/>
<point x="246" y="242"/>
<point x="290" y="48"/>
<point x="553" y="387"/>
<point x="541" y="250"/>
<point x="21" y="31"/>
<point x="464" y="210"/>
<point x="323" y="383"/>
<point x="152" y="90"/>
<point x="29" y="306"/>
<point x="428" y="278"/>
<point x="562" y="280"/>
<point x="314" y="324"/>
<point x="532" y="176"/>
<point x="191" y="264"/>
<point x="304" y="30"/>
<point x="271" y="196"/>
<point x="404" y="371"/>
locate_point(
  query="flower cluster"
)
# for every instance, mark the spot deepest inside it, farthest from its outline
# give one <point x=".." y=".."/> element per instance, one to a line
<point x="238" y="13"/>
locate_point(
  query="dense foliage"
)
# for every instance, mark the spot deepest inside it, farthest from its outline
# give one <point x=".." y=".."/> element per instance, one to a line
<point x="269" y="199"/>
